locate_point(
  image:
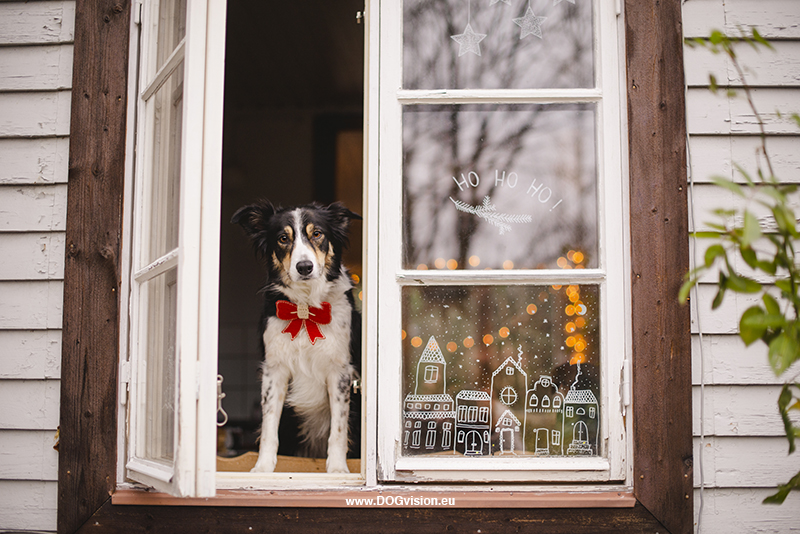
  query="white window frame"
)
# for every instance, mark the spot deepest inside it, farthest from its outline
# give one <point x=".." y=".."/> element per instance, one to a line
<point x="196" y="258"/>
<point x="385" y="236"/>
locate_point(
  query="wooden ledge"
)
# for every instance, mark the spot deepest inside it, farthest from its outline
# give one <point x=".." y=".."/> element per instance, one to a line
<point x="385" y="498"/>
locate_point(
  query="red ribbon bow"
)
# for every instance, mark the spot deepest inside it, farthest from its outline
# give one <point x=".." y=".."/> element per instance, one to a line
<point x="300" y="315"/>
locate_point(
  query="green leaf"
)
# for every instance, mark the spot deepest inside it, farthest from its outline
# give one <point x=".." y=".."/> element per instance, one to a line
<point x="771" y="305"/>
<point x="712" y="253"/>
<point x="686" y="288"/>
<point x="749" y="256"/>
<point x="742" y="284"/>
<point x="751" y="328"/>
<point x="706" y="235"/>
<point x="783" y="491"/>
<point x="751" y="230"/>
<point x="784" y="399"/>
<point x="730" y="185"/>
<point x="757" y="36"/>
<point x="713" y="86"/>
<point x="783" y="351"/>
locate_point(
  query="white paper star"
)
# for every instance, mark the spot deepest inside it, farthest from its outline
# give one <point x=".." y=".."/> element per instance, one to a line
<point x="556" y="2"/>
<point x="469" y="41"/>
<point x="530" y="24"/>
<point x="507" y="2"/>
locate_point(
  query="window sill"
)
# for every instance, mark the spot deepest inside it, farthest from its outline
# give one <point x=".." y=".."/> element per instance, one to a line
<point x="399" y="497"/>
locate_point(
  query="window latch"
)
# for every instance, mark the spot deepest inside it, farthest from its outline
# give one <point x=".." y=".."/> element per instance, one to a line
<point x="356" y="386"/>
<point x="220" y="396"/>
<point x="359" y="17"/>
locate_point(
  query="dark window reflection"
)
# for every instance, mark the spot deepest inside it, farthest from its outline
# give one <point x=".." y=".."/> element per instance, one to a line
<point x="487" y="44"/>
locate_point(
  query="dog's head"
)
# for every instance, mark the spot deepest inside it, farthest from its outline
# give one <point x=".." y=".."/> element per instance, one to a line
<point x="299" y="244"/>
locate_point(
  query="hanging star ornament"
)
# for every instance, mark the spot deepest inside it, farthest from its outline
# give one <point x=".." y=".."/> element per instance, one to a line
<point x="556" y="2"/>
<point x="508" y="2"/>
<point x="469" y="41"/>
<point x="530" y="24"/>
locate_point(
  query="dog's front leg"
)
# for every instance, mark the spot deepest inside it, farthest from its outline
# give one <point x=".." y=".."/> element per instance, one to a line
<point x="339" y="395"/>
<point x="273" y="392"/>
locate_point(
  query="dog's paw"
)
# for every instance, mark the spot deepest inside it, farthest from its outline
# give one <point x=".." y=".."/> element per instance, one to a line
<point x="265" y="464"/>
<point x="336" y="466"/>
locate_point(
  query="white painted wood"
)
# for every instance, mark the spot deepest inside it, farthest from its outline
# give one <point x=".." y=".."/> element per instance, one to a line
<point x="31" y="305"/>
<point x="30" y="354"/>
<point x="740" y="510"/>
<point x="32" y="256"/>
<point x="34" y="208"/>
<point x="29" y="405"/>
<point x="34" y="114"/>
<point x="762" y="67"/>
<point x="775" y="19"/>
<point x="710" y="113"/>
<point x="39" y="68"/>
<point x="37" y="22"/>
<point x="714" y="156"/>
<point x="34" y="161"/>
<point x="725" y="319"/>
<point x="28" y="455"/>
<point x="739" y="411"/>
<point x="28" y="505"/>
<point x="729" y="362"/>
<point x="741" y="462"/>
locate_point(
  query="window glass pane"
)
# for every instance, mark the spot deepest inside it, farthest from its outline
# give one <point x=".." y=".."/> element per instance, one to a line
<point x="546" y="405"/>
<point x="171" y="28"/>
<point x="499" y="187"/>
<point x="161" y="308"/>
<point x="487" y="44"/>
<point x="164" y="196"/>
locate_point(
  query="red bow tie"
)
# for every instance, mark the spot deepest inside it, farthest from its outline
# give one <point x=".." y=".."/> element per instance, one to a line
<point x="300" y="315"/>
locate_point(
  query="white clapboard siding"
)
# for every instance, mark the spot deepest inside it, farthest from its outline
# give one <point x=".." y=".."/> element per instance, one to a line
<point x="28" y="114"/>
<point x="723" y="320"/>
<point x="775" y="19"/>
<point x="764" y="67"/>
<point x="727" y="361"/>
<point x="718" y="114"/>
<point x="28" y="455"/>
<point x="738" y="411"/>
<point x="34" y="161"/>
<point x="34" y="208"/>
<point x="31" y="354"/>
<point x="768" y="462"/>
<point x="739" y="510"/>
<point x="29" y="405"/>
<point x="31" y="305"/>
<point x="37" y="22"/>
<point x="711" y="156"/>
<point x="35" y="68"/>
<point x="32" y="256"/>
<point x="28" y="505"/>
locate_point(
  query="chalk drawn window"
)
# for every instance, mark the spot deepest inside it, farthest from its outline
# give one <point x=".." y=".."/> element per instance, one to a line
<point x="499" y="187"/>
<point x="431" y="374"/>
<point x="554" y="356"/>
<point x="469" y="44"/>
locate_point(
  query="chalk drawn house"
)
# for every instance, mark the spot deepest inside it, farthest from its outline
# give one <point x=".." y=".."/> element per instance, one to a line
<point x="507" y="428"/>
<point x="509" y="386"/>
<point x="429" y="413"/>
<point x="544" y="423"/>
<point x="66" y="124"/>
<point x="581" y="419"/>
<point x="473" y="423"/>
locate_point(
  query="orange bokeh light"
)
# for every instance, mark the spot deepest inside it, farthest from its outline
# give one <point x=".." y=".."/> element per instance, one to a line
<point x="416" y="341"/>
<point x="505" y="332"/>
<point x="469" y="342"/>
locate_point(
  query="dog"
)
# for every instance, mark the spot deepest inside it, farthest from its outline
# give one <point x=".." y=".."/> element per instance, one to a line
<point x="310" y="327"/>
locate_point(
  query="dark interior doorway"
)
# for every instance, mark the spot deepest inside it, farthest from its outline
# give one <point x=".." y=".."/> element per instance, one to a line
<point x="292" y="134"/>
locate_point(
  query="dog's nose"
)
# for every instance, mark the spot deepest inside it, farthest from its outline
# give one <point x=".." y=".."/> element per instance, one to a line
<point x="304" y="267"/>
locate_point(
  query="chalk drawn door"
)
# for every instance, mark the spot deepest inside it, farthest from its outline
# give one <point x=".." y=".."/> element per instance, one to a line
<point x="501" y="184"/>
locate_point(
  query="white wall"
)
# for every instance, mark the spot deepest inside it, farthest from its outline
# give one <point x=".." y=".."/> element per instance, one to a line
<point x="35" y="79"/>
<point x="744" y="454"/>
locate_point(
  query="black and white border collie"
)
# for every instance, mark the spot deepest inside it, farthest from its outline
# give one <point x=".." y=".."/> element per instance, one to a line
<point x="311" y="329"/>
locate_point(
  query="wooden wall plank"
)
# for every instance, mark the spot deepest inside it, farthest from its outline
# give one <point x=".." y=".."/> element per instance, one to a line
<point x="662" y="402"/>
<point x="775" y="19"/>
<point x="35" y="68"/>
<point x="713" y="156"/>
<point x="34" y="161"/>
<point x="34" y="305"/>
<point x="28" y="505"/>
<point x="88" y="450"/>
<point x="764" y="67"/>
<point x="34" y="208"/>
<point x="29" y="405"/>
<point x="739" y="411"/>
<point x="37" y="22"/>
<point x="32" y="354"/>
<point x="32" y="256"/>
<point x="729" y="362"/>
<point x="742" y="462"/>
<point x="28" y="455"/>
<point x="710" y="113"/>
<point x="740" y="510"/>
<point x="32" y="114"/>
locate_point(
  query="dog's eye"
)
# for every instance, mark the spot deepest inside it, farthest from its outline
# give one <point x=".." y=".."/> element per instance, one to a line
<point x="283" y="239"/>
<point x="316" y="234"/>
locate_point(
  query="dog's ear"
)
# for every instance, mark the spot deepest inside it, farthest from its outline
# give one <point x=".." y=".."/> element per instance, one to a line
<point x="254" y="219"/>
<point x="341" y="213"/>
<point x="340" y="217"/>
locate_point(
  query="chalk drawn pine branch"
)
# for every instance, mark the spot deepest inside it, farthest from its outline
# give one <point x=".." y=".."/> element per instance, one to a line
<point x="488" y="212"/>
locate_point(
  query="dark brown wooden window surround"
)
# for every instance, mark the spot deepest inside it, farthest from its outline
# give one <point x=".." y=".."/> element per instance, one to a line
<point x="662" y="494"/>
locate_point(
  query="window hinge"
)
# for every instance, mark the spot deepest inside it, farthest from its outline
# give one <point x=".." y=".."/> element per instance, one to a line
<point x="356" y="386"/>
<point x="619" y="7"/>
<point x="626" y="385"/>
<point x="137" y="12"/>
<point x="125" y="379"/>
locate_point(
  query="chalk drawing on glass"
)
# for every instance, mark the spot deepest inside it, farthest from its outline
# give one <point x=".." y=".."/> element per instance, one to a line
<point x="507" y="429"/>
<point x="543" y="427"/>
<point x="473" y="423"/>
<point x="530" y="24"/>
<point x="488" y="212"/>
<point x="493" y="2"/>
<point x="581" y="416"/>
<point x="469" y="41"/>
<point x="509" y="388"/>
<point x="556" y="2"/>
<point x="429" y="409"/>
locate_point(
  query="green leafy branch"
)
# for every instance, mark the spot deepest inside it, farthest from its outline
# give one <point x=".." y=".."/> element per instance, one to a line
<point x="768" y="251"/>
